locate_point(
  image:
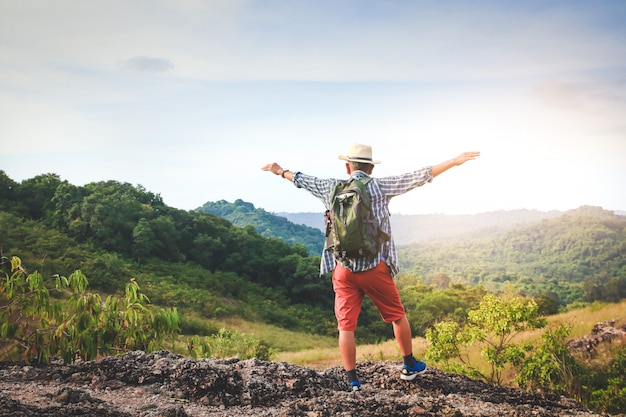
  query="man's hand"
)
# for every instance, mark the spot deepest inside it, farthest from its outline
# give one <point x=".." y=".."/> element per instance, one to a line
<point x="466" y="156"/>
<point x="459" y="160"/>
<point x="274" y="168"/>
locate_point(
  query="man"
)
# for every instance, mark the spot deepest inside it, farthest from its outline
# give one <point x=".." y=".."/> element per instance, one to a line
<point x="373" y="277"/>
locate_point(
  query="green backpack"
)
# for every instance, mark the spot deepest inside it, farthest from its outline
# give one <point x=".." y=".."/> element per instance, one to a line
<point x="351" y="229"/>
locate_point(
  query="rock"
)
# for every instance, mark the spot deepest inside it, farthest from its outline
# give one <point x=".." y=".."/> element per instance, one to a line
<point x="603" y="332"/>
<point x="169" y="385"/>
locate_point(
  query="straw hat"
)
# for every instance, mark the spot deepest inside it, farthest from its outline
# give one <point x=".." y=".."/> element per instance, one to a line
<point x="359" y="153"/>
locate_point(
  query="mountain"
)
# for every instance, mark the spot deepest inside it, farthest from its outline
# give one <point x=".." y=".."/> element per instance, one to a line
<point x="241" y="214"/>
<point x="407" y="228"/>
<point x="578" y="255"/>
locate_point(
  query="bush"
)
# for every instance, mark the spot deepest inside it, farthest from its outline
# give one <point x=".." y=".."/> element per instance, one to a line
<point x="493" y="327"/>
<point x="552" y="366"/>
<point x="228" y="343"/>
<point x="84" y="326"/>
<point x="199" y="327"/>
<point x="610" y="396"/>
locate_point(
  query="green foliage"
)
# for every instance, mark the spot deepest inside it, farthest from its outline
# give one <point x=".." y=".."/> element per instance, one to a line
<point x="426" y="305"/>
<point x="33" y="197"/>
<point x="447" y="345"/>
<point x="552" y="366"/>
<point x="606" y="391"/>
<point x="83" y="326"/>
<point x="7" y="191"/>
<point x="493" y="327"/>
<point x="193" y="326"/>
<point x="226" y="344"/>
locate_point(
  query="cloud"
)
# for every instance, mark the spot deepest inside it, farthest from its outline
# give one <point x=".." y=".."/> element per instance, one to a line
<point x="147" y="64"/>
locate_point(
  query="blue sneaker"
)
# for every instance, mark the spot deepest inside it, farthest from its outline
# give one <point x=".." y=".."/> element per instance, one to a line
<point x="410" y="372"/>
<point x="355" y="386"/>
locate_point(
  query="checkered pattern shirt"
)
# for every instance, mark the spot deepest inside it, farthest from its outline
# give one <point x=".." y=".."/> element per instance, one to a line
<point x="381" y="191"/>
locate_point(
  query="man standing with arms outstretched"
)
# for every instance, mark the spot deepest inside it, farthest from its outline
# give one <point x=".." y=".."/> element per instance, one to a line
<point x="374" y="275"/>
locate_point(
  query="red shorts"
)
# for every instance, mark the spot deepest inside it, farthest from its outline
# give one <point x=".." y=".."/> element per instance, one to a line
<point x="377" y="284"/>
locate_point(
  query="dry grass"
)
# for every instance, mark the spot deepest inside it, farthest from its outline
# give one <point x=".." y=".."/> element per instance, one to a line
<point x="280" y="339"/>
<point x="320" y="352"/>
<point x="581" y="321"/>
<point x="329" y="357"/>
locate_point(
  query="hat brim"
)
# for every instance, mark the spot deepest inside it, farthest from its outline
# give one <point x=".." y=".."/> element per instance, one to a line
<point x="362" y="160"/>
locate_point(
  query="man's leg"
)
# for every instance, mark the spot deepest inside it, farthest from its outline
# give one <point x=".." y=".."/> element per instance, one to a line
<point x="347" y="348"/>
<point x="411" y="366"/>
<point x="348" y="299"/>
<point x="402" y="331"/>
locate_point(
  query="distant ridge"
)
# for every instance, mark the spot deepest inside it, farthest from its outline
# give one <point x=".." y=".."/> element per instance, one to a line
<point x="576" y="253"/>
<point x="307" y="228"/>
<point x="421" y="228"/>
<point x="241" y="214"/>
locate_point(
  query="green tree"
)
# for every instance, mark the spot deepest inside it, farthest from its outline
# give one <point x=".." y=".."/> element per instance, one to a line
<point x="548" y="303"/>
<point x="615" y="290"/>
<point x="144" y="240"/>
<point x="166" y="238"/>
<point x="204" y="238"/>
<point x="67" y="210"/>
<point x="112" y="211"/>
<point x="34" y="196"/>
<point x="493" y="327"/>
<point x="433" y="307"/>
<point x="7" y="192"/>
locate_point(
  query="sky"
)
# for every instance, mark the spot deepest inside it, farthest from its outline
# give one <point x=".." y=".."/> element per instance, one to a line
<point x="190" y="98"/>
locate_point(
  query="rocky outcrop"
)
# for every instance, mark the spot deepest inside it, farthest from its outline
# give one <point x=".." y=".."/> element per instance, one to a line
<point x="165" y="384"/>
<point x="603" y="332"/>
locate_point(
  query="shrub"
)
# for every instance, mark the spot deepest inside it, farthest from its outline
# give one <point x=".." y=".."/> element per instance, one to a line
<point x="84" y="326"/>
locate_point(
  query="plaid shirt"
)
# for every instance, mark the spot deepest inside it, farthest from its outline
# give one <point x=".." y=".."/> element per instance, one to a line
<point x="381" y="191"/>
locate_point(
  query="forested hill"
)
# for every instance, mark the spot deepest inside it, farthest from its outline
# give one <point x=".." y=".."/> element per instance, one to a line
<point x="198" y="262"/>
<point x="571" y="256"/>
<point x="241" y="213"/>
<point x="579" y="255"/>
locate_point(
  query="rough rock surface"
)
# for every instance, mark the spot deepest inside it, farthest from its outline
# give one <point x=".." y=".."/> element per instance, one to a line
<point x="602" y="333"/>
<point x="169" y="385"/>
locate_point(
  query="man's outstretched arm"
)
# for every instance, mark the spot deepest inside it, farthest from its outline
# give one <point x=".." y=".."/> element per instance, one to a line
<point x="459" y="160"/>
